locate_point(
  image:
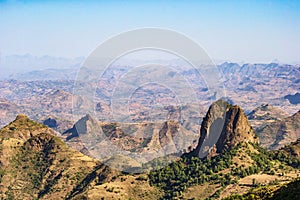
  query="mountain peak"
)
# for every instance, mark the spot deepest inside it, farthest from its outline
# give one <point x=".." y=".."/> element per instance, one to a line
<point x="21" y="117"/>
<point x="24" y="128"/>
<point x="223" y="127"/>
<point x="88" y="117"/>
<point x="87" y="125"/>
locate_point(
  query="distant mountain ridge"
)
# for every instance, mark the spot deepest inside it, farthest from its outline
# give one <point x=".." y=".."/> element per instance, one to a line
<point x="249" y="84"/>
<point x="22" y="66"/>
<point x="260" y="70"/>
<point x="47" y="74"/>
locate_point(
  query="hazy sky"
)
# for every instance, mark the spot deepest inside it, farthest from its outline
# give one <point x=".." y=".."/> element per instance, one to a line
<point x="250" y="31"/>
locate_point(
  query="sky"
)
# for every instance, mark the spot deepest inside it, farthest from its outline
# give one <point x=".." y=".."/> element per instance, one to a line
<point x="241" y="31"/>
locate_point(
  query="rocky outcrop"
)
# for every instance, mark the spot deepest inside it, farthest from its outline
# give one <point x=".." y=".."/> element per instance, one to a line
<point x="85" y="132"/>
<point x="169" y="136"/>
<point x="86" y="125"/>
<point x="223" y="127"/>
<point x="236" y="129"/>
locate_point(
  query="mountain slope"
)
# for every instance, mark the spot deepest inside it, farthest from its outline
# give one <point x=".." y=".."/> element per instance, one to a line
<point x="36" y="164"/>
<point x="288" y="191"/>
<point x="22" y="128"/>
<point x="264" y="114"/>
<point x="279" y="133"/>
<point x="293" y="149"/>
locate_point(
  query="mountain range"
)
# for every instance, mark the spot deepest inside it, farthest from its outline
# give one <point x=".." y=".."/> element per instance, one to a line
<point x="57" y="149"/>
<point x="248" y="85"/>
<point x="37" y="164"/>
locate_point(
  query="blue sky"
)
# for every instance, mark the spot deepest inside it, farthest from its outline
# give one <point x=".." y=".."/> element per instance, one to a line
<point x="250" y="31"/>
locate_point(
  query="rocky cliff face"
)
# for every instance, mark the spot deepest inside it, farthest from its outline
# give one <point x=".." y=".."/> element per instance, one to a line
<point x="236" y="129"/>
<point x="85" y="132"/>
<point x="223" y="127"/>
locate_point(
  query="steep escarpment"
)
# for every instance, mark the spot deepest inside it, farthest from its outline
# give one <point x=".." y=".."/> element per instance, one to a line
<point x="236" y="129"/>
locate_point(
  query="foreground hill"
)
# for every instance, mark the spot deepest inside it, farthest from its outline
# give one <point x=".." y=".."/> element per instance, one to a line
<point x="36" y="164"/>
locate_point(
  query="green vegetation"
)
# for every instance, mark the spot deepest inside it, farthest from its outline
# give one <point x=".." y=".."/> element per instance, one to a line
<point x="176" y="177"/>
<point x="34" y="164"/>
